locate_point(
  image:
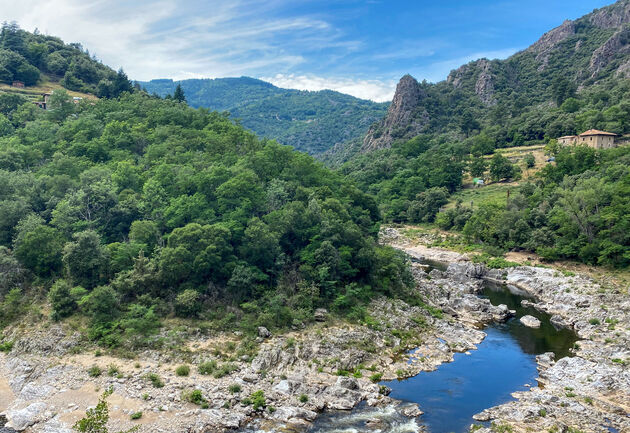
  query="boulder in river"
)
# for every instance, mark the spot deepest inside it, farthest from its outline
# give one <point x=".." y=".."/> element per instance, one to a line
<point x="530" y="321"/>
<point x="411" y="411"/>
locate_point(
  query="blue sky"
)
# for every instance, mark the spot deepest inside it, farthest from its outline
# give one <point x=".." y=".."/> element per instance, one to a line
<point x="358" y="47"/>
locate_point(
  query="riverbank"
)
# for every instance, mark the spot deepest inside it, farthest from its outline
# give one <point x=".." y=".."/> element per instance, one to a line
<point x="587" y="392"/>
<point x="45" y="385"/>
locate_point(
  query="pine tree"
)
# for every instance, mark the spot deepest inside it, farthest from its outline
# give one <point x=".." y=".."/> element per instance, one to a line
<point x="179" y="94"/>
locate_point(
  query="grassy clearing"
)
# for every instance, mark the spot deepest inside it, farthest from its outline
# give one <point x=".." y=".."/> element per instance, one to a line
<point x="46" y="85"/>
<point x="493" y="193"/>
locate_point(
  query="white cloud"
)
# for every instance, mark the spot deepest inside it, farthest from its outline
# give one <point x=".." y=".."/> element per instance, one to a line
<point x="375" y="90"/>
<point x="170" y="38"/>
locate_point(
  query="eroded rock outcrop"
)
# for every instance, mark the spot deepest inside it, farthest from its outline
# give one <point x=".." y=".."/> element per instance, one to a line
<point x="405" y="118"/>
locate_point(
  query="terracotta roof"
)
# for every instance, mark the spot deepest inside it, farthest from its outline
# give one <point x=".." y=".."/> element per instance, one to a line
<point x="596" y="132"/>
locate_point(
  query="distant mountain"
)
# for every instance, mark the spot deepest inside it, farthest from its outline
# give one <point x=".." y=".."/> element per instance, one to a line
<point x="312" y="122"/>
<point x="585" y="62"/>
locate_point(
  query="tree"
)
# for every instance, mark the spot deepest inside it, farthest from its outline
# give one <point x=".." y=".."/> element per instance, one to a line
<point x="96" y="418"/>
<point x="477" y="167"/>
<point x="61" y="301"/>
<point x="178" y="95"/>
<point x="85" y="259"/>
<point x="121" y="84"/>
<point x="39" y="249"/>
<point x="501" y="168"/>
<point x="562" y="89"/>
<point x="60" y="105"/>
<point x="530" y="160"/>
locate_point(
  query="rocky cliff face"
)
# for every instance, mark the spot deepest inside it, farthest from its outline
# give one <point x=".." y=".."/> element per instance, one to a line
<point x="405" y="118"/>
<point x="591" y="48"/>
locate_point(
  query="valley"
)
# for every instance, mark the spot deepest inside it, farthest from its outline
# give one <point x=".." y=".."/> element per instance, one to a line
<point x="214" y="255"/>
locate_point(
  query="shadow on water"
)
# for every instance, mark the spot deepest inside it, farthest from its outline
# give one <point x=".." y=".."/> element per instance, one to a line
<point x="504" y="362"/>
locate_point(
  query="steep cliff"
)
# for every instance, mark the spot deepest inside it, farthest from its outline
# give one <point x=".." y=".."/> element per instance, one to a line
<point x="593" y="50"/>
<point x="405" y="117"/>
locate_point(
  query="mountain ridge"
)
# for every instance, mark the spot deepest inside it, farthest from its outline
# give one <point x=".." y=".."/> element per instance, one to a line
<point x="567" y="59"/>
<point x="311" y="121"/>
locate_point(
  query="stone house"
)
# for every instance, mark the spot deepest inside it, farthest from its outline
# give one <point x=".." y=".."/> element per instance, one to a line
<point x="592" y="138"/>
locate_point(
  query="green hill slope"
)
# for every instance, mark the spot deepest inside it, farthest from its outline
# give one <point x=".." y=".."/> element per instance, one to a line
<point x="309" y="121"/>
<point x="35" y="59"/>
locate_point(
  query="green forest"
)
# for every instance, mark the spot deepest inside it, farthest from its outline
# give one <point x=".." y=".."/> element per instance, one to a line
<point x="312" y="122"/>
<point x="27" y="57"/>
<point x="129" y="210"/>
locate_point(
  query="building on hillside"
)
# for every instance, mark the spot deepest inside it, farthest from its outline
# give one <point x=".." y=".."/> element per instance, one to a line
<point x="597" y="139"/>
<point x="567" y="139"/>
<point x="43" y="104"/>
<point x="592" y="138"/>
<point x="18" y="84"/>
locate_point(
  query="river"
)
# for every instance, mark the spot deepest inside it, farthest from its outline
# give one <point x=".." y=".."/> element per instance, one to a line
<point x="503" y="363"/>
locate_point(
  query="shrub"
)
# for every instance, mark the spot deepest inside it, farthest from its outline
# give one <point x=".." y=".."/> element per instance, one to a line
<point x="182" y="370"/>
<point x="155" y="380"/>
<point x="187" y="303"/>
<point x="113" y="370"/>
<point x="193" y="396"/>
<point x="303" y="398"/>
<point x="258" y="400"/>
<point x="224" y="370"/>
<point x="94" y="371"/>
<point x="136" y="415"/>
<point x="376" y="377"/>
<point x="594" y="321"/>
<point x="6" y="346"/>
<point x="234" y="388"/>
<point x="207" y="368"/>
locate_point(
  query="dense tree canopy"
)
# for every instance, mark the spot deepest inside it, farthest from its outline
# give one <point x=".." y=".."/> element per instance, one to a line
<point x="140" y="205"/>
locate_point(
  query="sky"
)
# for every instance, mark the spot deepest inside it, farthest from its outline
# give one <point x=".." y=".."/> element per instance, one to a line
<point x="357" y="47"/>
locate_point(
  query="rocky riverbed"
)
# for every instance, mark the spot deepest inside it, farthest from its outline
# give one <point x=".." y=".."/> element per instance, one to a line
<point x="45" y="385"/>
<point x="589" y="392"/>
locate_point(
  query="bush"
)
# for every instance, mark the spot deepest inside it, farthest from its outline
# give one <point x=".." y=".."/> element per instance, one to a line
<point x="136" y="415"/>
<point x="376" y="377"/>
<point x="6" y="346"/>
<point x="182" y="370"/>
<point x="224" y="370"/>
<point x="94" y="371"/>
<point x="193" y="396"/>
<point x="303" y="398"/>
<point x="155" y="380"/>
<point x="113" y="370"/>
<point x="234" y="388"/>
<point x="207" y="368"/>
<point x="258" y="400"/>
<point x="187" y="303"/>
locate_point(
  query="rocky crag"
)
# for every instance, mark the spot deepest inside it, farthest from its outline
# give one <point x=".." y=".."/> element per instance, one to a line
<point x="582" y="52"/>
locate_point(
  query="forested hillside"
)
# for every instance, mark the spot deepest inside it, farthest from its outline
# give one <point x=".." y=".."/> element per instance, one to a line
<point x="312" y="122"/>
<point x="573" y="79"/>
<point x="31" y="57"/>
<point x="129" y="210"/>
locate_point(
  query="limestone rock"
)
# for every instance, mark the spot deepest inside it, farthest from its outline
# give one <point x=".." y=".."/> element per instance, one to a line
<point x="20" y="419"/>
<point x="263" y="332"/>
<point x="411" y="411"/>
<point x="530" y="321"/>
